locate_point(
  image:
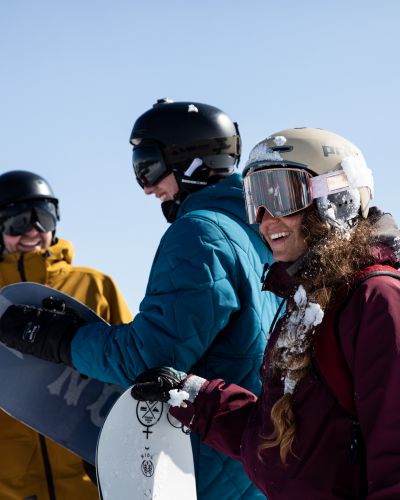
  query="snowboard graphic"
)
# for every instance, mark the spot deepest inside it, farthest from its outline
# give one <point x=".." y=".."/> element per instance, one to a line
<point x="53" y="399"/>
<point x="144" y="453"/>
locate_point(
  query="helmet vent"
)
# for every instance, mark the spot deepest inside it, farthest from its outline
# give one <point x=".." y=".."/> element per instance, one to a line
<point x="282" y="149"/>
<point x="163" y="100"/>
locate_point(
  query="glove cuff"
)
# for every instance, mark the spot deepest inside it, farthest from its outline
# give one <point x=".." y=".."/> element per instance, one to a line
<point x="64" y="348"/>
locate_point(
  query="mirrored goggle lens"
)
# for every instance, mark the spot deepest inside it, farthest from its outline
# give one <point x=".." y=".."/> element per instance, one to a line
<point x="149" y="165"/>
<point x="23" y="222"/>
<point x="280" y="191"/>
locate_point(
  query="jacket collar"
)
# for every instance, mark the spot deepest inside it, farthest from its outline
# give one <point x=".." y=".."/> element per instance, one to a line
<point x="37" y="266"/>
<point x="387" y="249"/>
<point x="279" y="277"/>
<point x="224" y="196"/>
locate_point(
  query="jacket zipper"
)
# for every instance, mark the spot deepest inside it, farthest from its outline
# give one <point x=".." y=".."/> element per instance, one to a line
<point x="21" y="268"/>
<point x="42" y="441"/>
<point x="47" y="468"/>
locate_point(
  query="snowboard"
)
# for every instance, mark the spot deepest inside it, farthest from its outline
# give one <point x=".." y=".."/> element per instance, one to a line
<point x="144" y="453"/>
<point x="50" y="398"/>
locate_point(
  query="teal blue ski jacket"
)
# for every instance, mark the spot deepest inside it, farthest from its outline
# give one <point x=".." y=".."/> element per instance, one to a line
<point x="203" y="313"/>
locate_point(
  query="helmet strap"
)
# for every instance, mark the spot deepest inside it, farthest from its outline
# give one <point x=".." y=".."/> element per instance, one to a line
<point x="192" y="179"/>
<point x="170" y="210"/>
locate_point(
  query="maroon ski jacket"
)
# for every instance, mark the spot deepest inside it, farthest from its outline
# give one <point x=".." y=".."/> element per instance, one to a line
<point x="323" y="466"/>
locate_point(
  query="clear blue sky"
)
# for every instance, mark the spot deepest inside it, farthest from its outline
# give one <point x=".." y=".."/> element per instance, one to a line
<point x="75" y="75"/>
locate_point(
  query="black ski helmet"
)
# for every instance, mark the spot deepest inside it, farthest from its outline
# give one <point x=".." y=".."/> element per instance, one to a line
<point x="21" y="190"/>
<point x="188" y="139"/>
<point x="20" y="185"/>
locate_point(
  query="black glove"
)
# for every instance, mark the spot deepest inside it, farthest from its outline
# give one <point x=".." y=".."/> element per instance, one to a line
<point x="44" y="332"/>
<point x="154" y="384"/>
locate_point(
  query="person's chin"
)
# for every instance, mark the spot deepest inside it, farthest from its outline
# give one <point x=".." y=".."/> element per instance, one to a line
<point x="24" y="249"/>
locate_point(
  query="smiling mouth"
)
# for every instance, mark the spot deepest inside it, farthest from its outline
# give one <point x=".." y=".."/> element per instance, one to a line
<point x="279" y="236"/>
<point x="30" y="245"/>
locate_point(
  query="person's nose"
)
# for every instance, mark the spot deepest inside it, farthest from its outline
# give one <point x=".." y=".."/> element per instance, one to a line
<point x="31" y="233"/>
<point x="268" y="220"/>
<point x="267" y="217"/>
<point x="149" y="189"/>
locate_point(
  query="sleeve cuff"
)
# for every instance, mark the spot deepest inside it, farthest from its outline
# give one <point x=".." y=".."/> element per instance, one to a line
<point x="192" y="386"/>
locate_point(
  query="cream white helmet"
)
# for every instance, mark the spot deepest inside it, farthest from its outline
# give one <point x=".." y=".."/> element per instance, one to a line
<point x="340" y="181"/>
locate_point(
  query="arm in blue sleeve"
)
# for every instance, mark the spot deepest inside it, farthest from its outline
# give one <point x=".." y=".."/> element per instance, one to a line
<point x="191" y="294"/>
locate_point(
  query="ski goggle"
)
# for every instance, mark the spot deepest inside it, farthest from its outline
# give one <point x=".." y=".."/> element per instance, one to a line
<point x="21" y="218"/>
<point x="285" y="191"/>
<point x="149" y="165"/>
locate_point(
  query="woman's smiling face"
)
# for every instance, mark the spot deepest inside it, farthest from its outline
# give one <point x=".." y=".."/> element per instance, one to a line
<point x="284" y="236"/>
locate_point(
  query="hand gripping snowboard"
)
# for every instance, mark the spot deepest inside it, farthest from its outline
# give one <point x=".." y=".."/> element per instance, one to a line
<point x="144" y="453"/>
<point x="52" y="399"/>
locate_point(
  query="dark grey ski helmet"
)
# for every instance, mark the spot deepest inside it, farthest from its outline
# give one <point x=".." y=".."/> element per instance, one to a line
<point x="26" y="201"/>
<point x="21" y="185"/>
<point x="197" y="142"/>
<point x="188" y="130"/>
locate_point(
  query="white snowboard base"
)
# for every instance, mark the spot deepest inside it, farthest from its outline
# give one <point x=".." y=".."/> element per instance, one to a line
<point x="144" y="453"/>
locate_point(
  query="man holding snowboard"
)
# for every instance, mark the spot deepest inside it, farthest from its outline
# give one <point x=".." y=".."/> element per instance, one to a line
<point x="31" y="466"/>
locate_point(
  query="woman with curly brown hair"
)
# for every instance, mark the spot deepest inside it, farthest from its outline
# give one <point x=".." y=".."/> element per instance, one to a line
<point x="327" y="424"/>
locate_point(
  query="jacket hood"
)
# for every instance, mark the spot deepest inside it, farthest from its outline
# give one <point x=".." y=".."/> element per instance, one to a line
<point x="388" y="236"/>
<point x="62" y="250"/>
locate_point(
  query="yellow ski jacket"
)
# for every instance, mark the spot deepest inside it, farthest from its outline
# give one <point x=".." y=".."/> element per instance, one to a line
<point x="32" y="467"/>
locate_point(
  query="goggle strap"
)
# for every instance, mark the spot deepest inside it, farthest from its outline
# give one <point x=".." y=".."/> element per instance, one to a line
<point x="216" y="146"/>
<point x="330" y="183"/>
<point x="39" y="227"/>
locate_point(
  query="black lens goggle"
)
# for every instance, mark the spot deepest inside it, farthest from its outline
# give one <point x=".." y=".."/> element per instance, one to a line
<point x="149" y="165"/>
<point x="20" y="219"/>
